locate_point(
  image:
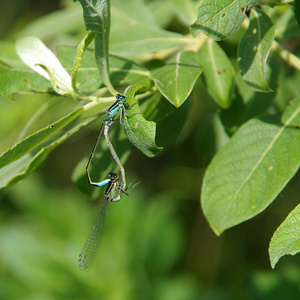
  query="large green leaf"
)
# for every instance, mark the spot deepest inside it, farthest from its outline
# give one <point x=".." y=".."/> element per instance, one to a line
<point x="249" y="171"/>
<point x="176" y="80"/>
<point x="97" y="18"/>
<point x="220" y="19"/>
<point x="286" y="238"/>
<point x="218" y="73"/>
<point x="254" y="49"/>
<point x="141" y="132"/>
<point x="34" y="140"/>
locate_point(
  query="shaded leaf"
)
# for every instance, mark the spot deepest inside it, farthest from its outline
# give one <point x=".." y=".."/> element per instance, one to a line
<point x="176" y="80"/>
<point x="254" y="49"/>
<point x="220" y="19"/>
<point x="218" y="72"/>
<point x="252" y="168"/>
<point x="286" y="238"/>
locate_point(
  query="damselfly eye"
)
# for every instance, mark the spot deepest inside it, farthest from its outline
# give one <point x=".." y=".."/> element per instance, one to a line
<point x="120" y="97"/>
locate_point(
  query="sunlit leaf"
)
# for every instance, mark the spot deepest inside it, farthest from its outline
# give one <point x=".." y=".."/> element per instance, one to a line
<point x="252" y="168"/>
<point x="40" y="59"/>
<point x="176" y="79"/>
<point x="220" y="19"/>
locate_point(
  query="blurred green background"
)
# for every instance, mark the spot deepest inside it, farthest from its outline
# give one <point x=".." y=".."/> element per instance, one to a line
<point x="157" y="244"/>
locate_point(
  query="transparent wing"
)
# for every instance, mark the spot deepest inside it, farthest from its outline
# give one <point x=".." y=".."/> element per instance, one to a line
<point x="92" y="244"/>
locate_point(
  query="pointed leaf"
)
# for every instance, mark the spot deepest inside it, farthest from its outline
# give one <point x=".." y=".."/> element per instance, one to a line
<point x="97" y="18"/>
<point x="141" y="132"/>
<point x="220" y="19"/>
<point x="34" y="140"/>
<point x="252" y="168"/>
<point x="254" y="50"/>
<point x="218" y="72"/>
<point x="24" y="166"/>
<point x="176" y="80"/>
<point x="286" y="238"/>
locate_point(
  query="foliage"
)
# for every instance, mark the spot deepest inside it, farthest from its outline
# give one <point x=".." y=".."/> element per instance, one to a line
<point x="158" y="68"/>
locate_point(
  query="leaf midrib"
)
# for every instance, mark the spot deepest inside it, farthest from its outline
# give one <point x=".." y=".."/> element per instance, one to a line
<point x="274" y="139"/>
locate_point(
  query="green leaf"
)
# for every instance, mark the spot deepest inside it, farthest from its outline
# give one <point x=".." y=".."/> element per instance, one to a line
<point x="34" y="140"/>
<point x="24" y="166"/>
<point x="97" y="19"/>
<point x="176" y="80"/>
<point x="249" y="171"/>
<point x="286" y="238"/>
<point x="220" y="19"/>
<point x="123" y="71"/>
<point x="78" y="57"/>
<point x="218" y="72"/>
<point x="130" y="40"/>
<point x="140" y="132"/>
<point x="254" y="49"/>
<point x="20" y="81"/>
<point x="39" y="58"/>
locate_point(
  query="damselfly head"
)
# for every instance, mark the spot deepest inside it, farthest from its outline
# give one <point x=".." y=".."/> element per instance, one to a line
<point x="120" y="97"/>
<point x="113" y="176"/>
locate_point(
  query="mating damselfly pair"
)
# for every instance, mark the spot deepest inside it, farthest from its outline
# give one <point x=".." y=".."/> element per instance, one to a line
<point x="116" y="186"/>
